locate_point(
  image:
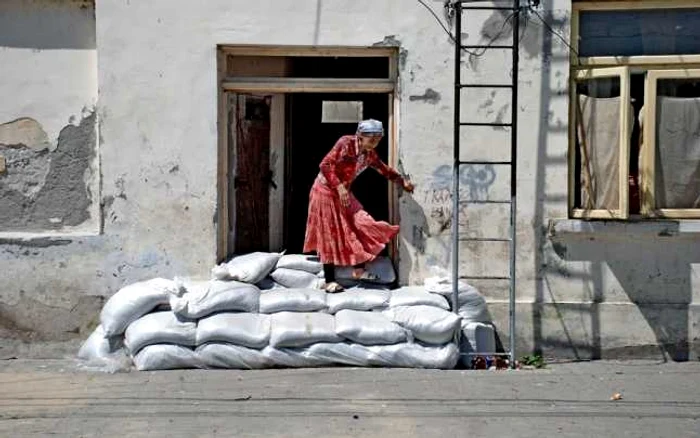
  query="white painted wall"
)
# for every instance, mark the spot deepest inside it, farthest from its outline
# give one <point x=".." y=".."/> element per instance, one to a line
<point x="157" y="76"/>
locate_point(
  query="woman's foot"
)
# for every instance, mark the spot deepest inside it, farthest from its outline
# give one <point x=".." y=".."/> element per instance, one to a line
<point x="363" y="275"/>
<point x="333" y="287"/>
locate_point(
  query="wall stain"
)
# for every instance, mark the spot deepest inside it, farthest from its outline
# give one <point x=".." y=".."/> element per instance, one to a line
<point x="391" y="41"/>
<point x="429" y="96"/>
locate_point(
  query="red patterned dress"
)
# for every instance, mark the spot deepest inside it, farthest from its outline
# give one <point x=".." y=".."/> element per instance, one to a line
<point x="345" y="236"/>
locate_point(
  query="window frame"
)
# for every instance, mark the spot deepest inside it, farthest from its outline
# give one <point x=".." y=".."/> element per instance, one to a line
<point x="623" y="73"/>
<point x="656" y="67"/>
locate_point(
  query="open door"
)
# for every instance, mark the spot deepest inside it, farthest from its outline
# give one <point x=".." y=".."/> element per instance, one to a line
<point x="251" y="176"/>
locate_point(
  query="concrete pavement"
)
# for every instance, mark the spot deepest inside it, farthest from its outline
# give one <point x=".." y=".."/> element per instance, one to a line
<point x="54" y="398"/>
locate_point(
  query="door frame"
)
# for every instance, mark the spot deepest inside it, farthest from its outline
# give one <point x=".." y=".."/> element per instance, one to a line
<point x="282" y="85"/>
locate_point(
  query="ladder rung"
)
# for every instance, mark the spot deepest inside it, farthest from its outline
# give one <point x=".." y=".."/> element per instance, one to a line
<point x="484" y="239"/>
<point x="482" y="277"/>
<point x="485" y="124"/>
<point x="502" y="163"/>
<point x="485" y="85"/>
<point x="483" y="201"/>
<point x="486" y="46"/>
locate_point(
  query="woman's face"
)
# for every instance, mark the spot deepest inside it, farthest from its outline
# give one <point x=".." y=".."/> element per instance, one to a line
<point x="368" y="142"/>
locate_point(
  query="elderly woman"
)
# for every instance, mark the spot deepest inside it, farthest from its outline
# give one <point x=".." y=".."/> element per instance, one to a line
<point x="338" y="229"/>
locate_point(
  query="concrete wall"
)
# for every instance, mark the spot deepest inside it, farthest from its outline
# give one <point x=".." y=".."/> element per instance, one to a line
<point x="581" y="292"/>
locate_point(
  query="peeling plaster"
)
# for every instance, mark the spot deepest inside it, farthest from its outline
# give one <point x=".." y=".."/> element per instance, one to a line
<point x="391" y="41"/>
<point x="47" y="189"/>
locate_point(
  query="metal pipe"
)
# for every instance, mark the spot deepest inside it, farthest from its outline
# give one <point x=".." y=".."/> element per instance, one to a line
<point x="456" y="160"/>
<point x="513" y="177"/>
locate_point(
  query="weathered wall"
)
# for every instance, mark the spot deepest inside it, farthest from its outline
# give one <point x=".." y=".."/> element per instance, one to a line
<point x="47" y="120"/>
<point x="580" y="294"/>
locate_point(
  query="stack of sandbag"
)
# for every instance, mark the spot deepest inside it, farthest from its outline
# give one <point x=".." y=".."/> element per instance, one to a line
<point x="478" y="332"/>
<point x="309" y="328"/>
<point x="231" y="321"/>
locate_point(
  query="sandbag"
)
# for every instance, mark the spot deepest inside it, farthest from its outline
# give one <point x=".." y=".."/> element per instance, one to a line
<point x="358" y="299"/>
<point x="472" y="305"/>
<point x="381" y="267"/>
<point x="290" y="329"/>
<point x="268" y="283"/>
<point x="300" y="262"/>
<point x="244" y="329"/>
<point x="416" y="296"/>
<point x="292" y="300"/>
<point x="292" y="278"/>
<point x="429" y="324"/>
<point x="165" y="357"/>
<point x="414" y="355"/>
<point x="228" y="356"/>
<point x="206" y="297"/>
<point x="248" y="268"/>
<point x="98" y="346"/>
<point x="342" y="353"/>
<point x="294" y="357"/>
<point x="133" y="301"/>
<point x="159" y="328"/>
<point x="368" y="328"/>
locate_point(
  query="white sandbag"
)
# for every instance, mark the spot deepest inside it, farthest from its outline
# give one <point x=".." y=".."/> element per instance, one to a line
<point x="368" y="328"/>
<point x="477" y="338"/>
<point x="417" y="296"/>
<point x="268" y="283"/>
<point x="300" y="262"/>
<point x="248" y="268"/>
<point x="98" y="346"/>
<point x="381" y="267"/>
<point x="133" y="301"/>
<point x="414" y="355"/>
<point x="429" y="324"/>
<point x="342" y="353"/>
<point x="472" y="305"/>
<point x="228" y="356"/>
<point x="358" y="299"/>
<point x="292" y="300"/>
<point x="159" y="328"/>
<point x="296" y="279"/>
<point x="165" y="357"/>
<point x="244" y="329"/>
<point x="290" y="329"/>
<point x="294" y="358"/>
<point x="206" y="297"/>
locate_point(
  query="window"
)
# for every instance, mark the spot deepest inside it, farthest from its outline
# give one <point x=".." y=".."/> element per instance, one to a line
<point x="635" y="110"/>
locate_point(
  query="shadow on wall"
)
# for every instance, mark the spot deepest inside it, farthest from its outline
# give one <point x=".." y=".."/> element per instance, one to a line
<point x="47" y="24"/>
<point x="655" y="274"/>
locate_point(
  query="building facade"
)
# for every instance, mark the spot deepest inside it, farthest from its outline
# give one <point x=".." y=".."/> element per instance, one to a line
<point x="156" y="138"/>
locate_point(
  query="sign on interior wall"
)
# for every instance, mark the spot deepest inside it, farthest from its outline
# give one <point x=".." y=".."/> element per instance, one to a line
<point x="341" y="111"/>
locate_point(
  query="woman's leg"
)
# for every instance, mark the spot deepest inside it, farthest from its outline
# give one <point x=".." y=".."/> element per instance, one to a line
<point x="329" y="272"/>
<point x="332" y="285"/>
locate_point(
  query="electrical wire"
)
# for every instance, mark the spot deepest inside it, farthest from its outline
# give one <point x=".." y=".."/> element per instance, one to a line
<point x="552" y="31"/>
<point x="454" y="40"/>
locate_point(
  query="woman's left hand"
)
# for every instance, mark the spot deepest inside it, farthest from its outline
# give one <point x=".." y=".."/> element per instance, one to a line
<point x="408" y="186"/>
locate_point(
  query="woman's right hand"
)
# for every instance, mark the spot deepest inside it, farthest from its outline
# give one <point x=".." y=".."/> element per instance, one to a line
<point x="344" y="196"/>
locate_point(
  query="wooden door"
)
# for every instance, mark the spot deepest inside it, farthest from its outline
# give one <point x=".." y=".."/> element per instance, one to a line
<point x="252" y="177"/>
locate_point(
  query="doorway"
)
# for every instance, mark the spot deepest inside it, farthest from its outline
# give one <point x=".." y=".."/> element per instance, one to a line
<point x="279" y="115"/>
<point x="310" y="138"/>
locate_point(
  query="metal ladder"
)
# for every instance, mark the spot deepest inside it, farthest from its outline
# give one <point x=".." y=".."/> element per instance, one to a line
<point x="459" y="7"/>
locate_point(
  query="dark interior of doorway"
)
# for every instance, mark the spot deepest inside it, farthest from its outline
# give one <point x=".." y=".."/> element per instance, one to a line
<point x="309" y="140"/>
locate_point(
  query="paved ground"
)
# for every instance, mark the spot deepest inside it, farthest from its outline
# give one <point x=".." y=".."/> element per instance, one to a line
<point x="53" y="398"/>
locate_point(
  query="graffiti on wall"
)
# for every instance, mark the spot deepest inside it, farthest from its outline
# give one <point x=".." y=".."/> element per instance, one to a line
<point x="475" y="183"/>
